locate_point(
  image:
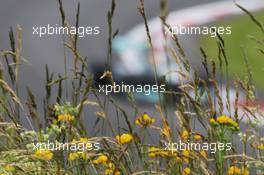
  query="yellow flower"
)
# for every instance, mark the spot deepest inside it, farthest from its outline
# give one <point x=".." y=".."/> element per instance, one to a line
<point x="76" y="155"/>
<point x="9" y="168"/>
<point x="203" y="153"/>
<point x="145" y="120"/>
<point x="165" y="153"/>
<point x="73" y="156"/>
<point x="178" y="160"/>
<point x="233" y="170"/>
<point x="197" y="137"/>
<point x="83" y="155"/>
<point x="212" y="121"/>
<point x="102" y="159"/>
<point x="110" y="169"/>
<point x="83" y="139"/>
<point x="186" y="171"/>
<point x="44" y="154"/>
<point x="155" y="152"/>
<point x="124" y="139"/>
<point x="186" y="155"/>
<point x="244" y="171"/>
<point x="185" y="135"/>
<point x="65" y="117"/>
<point x="166" y="131"/>
<point x="224" y="120"/>
<point x="261" y="147"/>
<point x="111" y="165"/>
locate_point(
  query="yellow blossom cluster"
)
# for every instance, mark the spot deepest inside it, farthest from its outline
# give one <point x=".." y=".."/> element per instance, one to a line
<point x="110" y="166"/>
<point x="65" y="118"/>
<point x="186" y="171"/>
<point x="185" y="135"/>
<point x="43" y="154"/>
<point x="197" y="137"/>
<point x="233" y="170"/>
<point x="224" y="120"/>
<point x="186" y="156"/>
<point x="145" y="120"/>
<point x="76" y="155"/>
<point x="81" y="140"/>
<point x="9" y="168"/>
<point x="158" y="152"/>
<point x="203" y="153"/>
<point x="102" y="159"/>
<point x="124" y="139"/>
<point x="260" y="146"/>
<point x="111" y="169"/>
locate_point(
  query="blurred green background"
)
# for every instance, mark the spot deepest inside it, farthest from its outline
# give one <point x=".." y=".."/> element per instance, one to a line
<point x="244" y="35"/>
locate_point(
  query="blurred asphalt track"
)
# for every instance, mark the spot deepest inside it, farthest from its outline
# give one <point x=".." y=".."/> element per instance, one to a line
<point x="49" y="50"/>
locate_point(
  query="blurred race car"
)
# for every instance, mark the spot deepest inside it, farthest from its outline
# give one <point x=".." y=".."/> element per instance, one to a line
<point x="132" y="60"/>
<point x="133" y="55"/>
